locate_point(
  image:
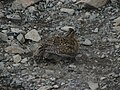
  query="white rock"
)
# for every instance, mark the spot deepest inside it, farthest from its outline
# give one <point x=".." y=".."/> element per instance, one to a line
<point x="96" y="30"/>
<point x="72" y="66"/>
<point x="14" y="49"/>
<point x="87" y="42"/>
<point x="87" y="14"/>
<point x="55" y="86"/>
<point x="74" y="0"/>
<point x="33" y="35"/>
<point x="92" y="85"/>
<point x="102" y="78"/>
<point x="66" y="28"/>
<point x="24" y="60"/>
<point x="67" y="10"/>
<point x="45" y="88"/>
<point x="16" y="65"/>
<point x="17" y="58"/>
<point x="52" y="79"/>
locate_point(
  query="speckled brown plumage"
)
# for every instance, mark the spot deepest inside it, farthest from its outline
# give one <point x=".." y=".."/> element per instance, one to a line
<point x="66" y="44"/>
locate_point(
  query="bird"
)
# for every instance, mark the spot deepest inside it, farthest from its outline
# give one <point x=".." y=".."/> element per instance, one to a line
<point x="67" y="44"/>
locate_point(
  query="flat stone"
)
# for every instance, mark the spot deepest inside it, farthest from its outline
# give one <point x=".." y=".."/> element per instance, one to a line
<point x="33" y="35"/>
<point x="78" y="57"/>
<point x="66" y="28"/>
<point x="20" y="38"/>
<point x="24" y="60"/>
<point x="45" y="88"/>
<point x="17" y="58"/>
<point x="49" y="71"/>
<point x="31" y="9"/>
<point x="87" y="42"/>
<point x="3" y="37"/>
<point x="1" y="5"/>
<point x="1" y="57"/>
<point x="2" y="65"/>
<point x="55" y="86"/>
<point x="94" y="3"/>
<point x="17" y="30"/>
<point x="96" y="30"/>
<point x="1" y="14"/>
<point x="93" y="86"/>
<point x="67" y="10"/>
<point x="14" y="16"/>
<point x="116" y="23"/>
<point x="17" y="4"/>
<point x="24" y="3"/>
<point x="113" y="40"/>
<point x="16" y="65"/>
<point x="14" y="49"/>
<point x="72" y="66"/>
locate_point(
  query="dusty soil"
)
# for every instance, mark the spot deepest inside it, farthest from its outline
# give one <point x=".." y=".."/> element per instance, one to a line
<point x="97" y="64"/>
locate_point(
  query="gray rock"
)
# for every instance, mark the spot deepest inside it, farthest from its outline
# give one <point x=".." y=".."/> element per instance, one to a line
<point x="1" y="14"/>
<point x="67" y="10"/>
<point x="17" y="58"/>
<point x="24" y="60"/>
<point x="1" y="57"/>
<point x="33" y="35"/>
<point x="49" y="71"/>
<point x="66" y="28"/>
<point x="14" y="49"/>
<point x="72" y="66"/>
<point x="14" y="17"/>
<point x="2" y="65"/>
<point x="20" y="38"/>
<point x="45" y="88"/>
<point x="18" y="4"/>
<point x="16" y="65"/>
<point x="55" y="86"/>
<point x="1" y="5"/>
<point x="96" y="30"/>
<point x="94" y="3"/>
<point x="113" y="40"/>
<point x="31" y="9"/>
<point x="78" y="57"/>
<point x="3" y="37"/>
<point x="17" y="30"/>
<point x="87" y="42"/>
<point x="93" y="86"/>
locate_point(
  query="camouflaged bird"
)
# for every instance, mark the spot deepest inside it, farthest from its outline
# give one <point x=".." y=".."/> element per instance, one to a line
<point x="64" y="46"/>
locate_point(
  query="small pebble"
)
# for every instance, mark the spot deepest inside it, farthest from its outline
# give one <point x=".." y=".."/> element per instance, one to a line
<point x="17" y="58"/>
<point x="67" y="10"/>
<point x="87" y="42"/>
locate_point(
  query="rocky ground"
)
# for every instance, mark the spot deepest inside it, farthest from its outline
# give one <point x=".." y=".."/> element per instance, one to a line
<point x="24" y="28"/>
